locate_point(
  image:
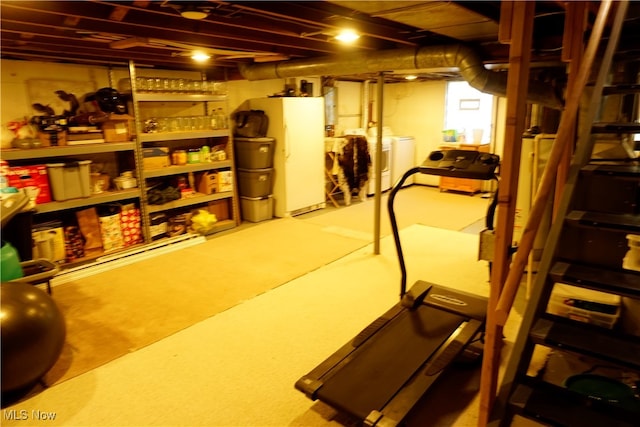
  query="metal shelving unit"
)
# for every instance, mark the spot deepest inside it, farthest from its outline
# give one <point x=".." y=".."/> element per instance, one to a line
<point x="69" y="150"/>
<point x="196" y="138"/>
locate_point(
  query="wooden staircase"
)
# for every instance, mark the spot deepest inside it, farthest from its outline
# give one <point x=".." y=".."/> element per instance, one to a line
<point x="587" y="248"/>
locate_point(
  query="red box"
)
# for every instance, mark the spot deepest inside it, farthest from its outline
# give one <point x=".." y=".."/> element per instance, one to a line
<point x="31" y="176"/>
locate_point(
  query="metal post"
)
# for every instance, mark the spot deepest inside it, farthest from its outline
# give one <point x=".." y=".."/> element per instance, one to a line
<point x="378" y="171"/>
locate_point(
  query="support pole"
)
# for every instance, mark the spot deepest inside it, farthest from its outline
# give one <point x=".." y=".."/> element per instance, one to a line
<point x="378" y="171"/>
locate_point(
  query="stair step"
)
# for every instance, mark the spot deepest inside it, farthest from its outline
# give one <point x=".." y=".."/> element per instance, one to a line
<point x="621" y="89"/>
<point x="615" y="128"/>
<point x="601" y="343"/>
<point x="562" y="407"/>
<point x="624" y="170"/>
<point x="625" y="283"/>
<point x="618" y="222"/>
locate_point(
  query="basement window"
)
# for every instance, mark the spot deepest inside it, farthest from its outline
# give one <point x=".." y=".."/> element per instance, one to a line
<point x="469" y="112"/>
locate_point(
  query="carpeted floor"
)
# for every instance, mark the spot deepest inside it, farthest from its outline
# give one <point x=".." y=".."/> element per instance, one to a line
<point x="217" y="334"/>
<point x="122" y="310"/>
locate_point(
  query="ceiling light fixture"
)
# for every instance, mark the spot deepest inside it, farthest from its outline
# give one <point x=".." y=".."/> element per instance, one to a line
<point x="348" y="36"/>
<point x="200" y="56"/>
<point x="191" y="12"/>
<point x="411" y="77"/>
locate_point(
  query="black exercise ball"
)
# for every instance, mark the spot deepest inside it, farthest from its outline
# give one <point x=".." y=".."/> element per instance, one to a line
<point x="33" y="333"/>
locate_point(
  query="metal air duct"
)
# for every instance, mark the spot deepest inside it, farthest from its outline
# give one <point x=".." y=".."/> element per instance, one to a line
<point x="460" y="57"/>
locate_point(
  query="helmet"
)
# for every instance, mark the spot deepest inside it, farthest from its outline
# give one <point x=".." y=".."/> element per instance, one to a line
<point x="109" y="101"/>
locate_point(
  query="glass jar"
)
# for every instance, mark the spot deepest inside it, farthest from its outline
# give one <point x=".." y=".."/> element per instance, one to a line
<point x="193" y="155"/>
<point x="179" y="157"/>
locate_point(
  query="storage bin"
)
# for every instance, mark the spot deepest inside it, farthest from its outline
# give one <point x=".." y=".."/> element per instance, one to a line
<point x="256" y="209"/>
<point x="70" y="180"/>
<point x="585" y="305"/>
<point x="254" y="153"/>
<point x="255" y="182"/>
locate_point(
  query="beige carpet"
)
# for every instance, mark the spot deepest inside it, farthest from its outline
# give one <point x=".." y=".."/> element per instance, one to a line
<point x="238" y="368"/>
<point x="413" y="205"/>
<point x="216" y="334"/>
<point x="122" y="310"/>
<point x="119" y="311"/>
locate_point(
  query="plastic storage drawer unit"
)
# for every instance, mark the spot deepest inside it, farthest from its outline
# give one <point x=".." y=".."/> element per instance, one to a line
<point x="254" y="153"/>
<point x="255" y="182"/>
<point x="69" y="180"/>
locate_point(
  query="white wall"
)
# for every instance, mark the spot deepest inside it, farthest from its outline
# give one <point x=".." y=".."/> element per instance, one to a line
<point x="416" y="109"/>
<point x="24" y="83"/>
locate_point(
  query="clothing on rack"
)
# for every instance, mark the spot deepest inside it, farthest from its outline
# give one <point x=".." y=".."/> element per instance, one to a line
<point x="353" y="165"/>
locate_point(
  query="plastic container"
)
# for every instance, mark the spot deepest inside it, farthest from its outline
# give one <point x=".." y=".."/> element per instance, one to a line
<point x="254" y="153"/>
<point x="256" y="209"/>
<point x="585" y="305"/>
<point x="255" y="182"/>
<point x="125" y="181"/>
<point x="631" y="260"/>
<point x="10" y="267"/>
<point x="70" y="180"/>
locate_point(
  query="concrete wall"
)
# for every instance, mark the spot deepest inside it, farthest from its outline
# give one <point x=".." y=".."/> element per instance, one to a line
<point x="413" y="108"/>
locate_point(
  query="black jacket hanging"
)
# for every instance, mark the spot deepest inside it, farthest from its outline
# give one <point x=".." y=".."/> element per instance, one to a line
<point x="355" y="161"/>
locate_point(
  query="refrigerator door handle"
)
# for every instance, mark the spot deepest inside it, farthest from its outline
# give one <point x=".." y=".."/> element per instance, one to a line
<point x="287" y="145"/>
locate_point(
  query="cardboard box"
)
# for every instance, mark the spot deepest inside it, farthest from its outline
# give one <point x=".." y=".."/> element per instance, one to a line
<point x="29" y="177"/>
<point x="155" y="157"/>
<point x="207" y="183"/>
<point x="215" y="182"/>
<point x="117" y="128"/>
<point x="49" y="139"/>
<point x="48" y="242"/>
<point x="220" y="208"/>
<point x="225" y="181"/>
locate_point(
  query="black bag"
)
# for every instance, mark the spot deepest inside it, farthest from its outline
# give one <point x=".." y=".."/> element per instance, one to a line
<point x="251" y="124"/>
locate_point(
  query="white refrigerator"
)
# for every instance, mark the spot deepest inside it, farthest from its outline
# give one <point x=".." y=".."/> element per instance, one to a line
<point x="297" y="125"/>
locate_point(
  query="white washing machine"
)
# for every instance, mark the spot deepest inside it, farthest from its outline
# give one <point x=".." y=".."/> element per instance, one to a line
<point x="385" y="179"/>
<point x="403" y="155"/>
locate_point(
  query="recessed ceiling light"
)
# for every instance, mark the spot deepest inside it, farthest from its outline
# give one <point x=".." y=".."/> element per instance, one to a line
<point x="200" y="56"/>
<point x="347" y="36"/>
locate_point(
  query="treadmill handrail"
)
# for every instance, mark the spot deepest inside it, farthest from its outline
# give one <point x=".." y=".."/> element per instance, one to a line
<point x="492" y="164"/>
<point x="394" y="226"/>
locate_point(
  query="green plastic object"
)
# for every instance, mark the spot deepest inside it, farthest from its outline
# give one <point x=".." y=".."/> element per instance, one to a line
<point x="606" y="389"/>
<point x="10" y="267"/>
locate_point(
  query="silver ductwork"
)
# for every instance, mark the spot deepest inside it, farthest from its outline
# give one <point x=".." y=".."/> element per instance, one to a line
<point x="459" y="57"/>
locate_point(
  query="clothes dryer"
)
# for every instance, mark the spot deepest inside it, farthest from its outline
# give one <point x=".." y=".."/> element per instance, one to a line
<point x="403" y="155"/>
<point x="385" y="179"/>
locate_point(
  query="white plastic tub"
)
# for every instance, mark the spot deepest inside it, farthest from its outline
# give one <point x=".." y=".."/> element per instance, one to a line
<point x="585" y="305"/>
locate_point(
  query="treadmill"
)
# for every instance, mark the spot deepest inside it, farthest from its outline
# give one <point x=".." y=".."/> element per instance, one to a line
<point x="383" y="372"/>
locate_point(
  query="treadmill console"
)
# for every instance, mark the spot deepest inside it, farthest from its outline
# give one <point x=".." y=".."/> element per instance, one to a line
<point x="461" y="164"/>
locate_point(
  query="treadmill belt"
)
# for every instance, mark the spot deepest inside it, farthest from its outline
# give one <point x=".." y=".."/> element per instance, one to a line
<point x="379" y="368"/>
